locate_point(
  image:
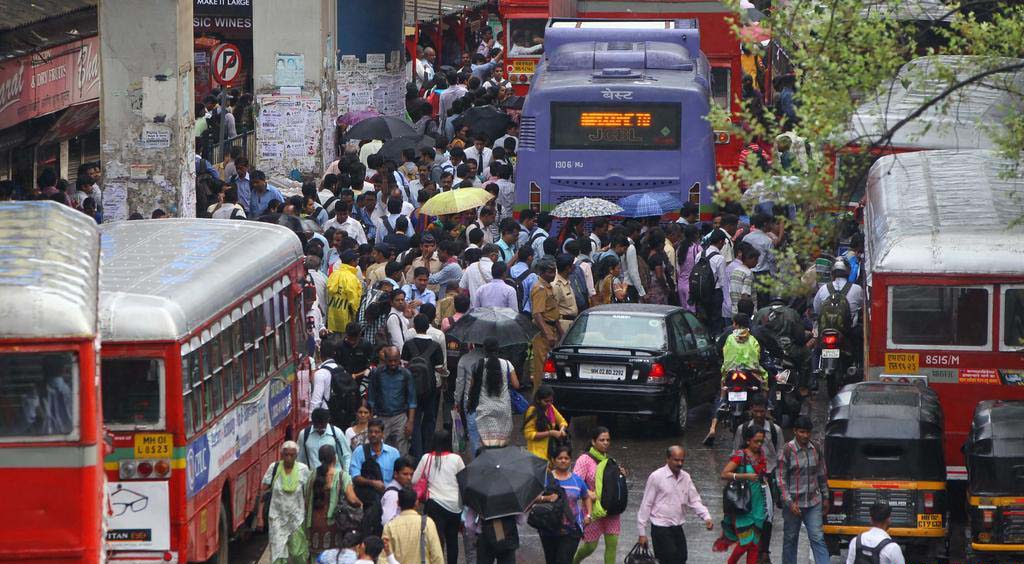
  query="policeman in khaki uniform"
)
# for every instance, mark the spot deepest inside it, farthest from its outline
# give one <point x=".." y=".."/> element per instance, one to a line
<point x="567" y="310"/>
<point x="545" y="316"/>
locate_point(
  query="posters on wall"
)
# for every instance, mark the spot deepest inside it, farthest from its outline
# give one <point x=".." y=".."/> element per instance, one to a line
<point x="289" y="133"/>
<point x="290" y="70"/>
<point x="140" y="516"/>
<point x="369" y="86"/>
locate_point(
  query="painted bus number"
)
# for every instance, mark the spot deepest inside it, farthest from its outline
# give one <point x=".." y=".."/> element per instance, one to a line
<point x="568" y="164"/>
<point x="942" y="360"/>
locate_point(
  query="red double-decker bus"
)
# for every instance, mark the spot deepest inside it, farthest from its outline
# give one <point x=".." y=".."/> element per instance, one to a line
<point x="51" y="464"/>
<point x="523" y="23"/>
<point x="945" y="282"/>
<point x="201" y="323"/>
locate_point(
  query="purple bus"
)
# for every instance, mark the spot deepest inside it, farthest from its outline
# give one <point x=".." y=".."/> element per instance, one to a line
<point x="617" y="107"/>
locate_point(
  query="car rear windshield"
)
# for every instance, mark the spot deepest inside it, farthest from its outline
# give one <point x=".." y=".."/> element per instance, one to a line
<point x="617" y="330"/>
<point x="131" y="392"/>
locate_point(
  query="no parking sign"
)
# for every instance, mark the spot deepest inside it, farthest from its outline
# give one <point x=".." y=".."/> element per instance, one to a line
<point x="226" y="63"/>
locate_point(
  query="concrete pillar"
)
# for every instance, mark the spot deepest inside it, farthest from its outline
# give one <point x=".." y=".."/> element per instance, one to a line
<point x="146" y="113"/>
<point x="301" y="36"/>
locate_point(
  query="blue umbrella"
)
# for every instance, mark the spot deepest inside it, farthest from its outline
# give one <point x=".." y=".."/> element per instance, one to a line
<point x="649" y="204"/>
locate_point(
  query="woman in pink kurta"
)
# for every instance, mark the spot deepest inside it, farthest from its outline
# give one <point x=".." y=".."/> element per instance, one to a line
<point x="689" y="249"/>
<point x="607" y="526"/>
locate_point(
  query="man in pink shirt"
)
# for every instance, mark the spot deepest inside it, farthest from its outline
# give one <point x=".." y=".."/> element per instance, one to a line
<point x="667" y="492"/>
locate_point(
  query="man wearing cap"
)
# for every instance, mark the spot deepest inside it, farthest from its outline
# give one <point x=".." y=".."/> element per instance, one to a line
<point x="344" y="292"/>
<point x="545" y="316"/>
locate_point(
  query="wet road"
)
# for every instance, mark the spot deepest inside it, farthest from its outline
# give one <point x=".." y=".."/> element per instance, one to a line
<point x="640" y="447"/>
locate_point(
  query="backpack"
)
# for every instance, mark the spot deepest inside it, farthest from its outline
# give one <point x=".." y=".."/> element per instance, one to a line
<point x="387" y="225"/>
<point x="702" y="281"/>
<point x="835" y="309"/>
<point x="384" y="336"/>
<point x="578" y="285"/>
<point x="420" y="368"/>
<point x="305" y="437"/>
<point x="455" y="348"/>
<point x="614" y="489"/>
<point x="518" y="284"/>
<point x="550" y="517"/>
<point x="344" y="400"/>
<point x="865" y="555"/>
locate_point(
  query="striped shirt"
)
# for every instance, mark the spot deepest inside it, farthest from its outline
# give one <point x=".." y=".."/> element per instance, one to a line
<point x="801" y="474"/>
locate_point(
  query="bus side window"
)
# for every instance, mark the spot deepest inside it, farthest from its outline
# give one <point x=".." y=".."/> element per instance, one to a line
<point x="720" y="86"/>
<point x="283" y="329"/>
<point x="248" y="355"/>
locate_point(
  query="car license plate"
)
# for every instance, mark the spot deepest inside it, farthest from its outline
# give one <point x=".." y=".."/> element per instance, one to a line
<point x="829" y="353"/>
<point x="524" y="67"/>
<point x="602" y="372"/>
<point x="737" y="396"/>
<point x="782" y="377"/>
<point x="929" y="520"/>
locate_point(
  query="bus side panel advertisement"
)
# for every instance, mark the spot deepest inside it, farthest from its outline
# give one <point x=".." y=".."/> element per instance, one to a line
<point x="214" y="451"/>
<point x="140" y="516"/>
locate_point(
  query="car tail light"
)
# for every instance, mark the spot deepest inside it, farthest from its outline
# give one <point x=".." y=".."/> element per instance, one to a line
<point x="929" y="501"/>
<point x="657" y="371"/>
<point x="988" y="516"/>
<point x="830" y="341"/>
<point x="837" y="498"/>
<point x="549" y="366"/>
<point x="162" y="468"/>
<point x="168" y="557"/>
<point x="145" y="469"/>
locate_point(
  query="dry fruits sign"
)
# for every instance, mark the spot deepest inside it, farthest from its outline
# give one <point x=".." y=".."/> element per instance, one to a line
<point x="47" y="81"/>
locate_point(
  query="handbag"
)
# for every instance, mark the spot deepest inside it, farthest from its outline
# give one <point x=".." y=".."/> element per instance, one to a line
<point x="265" y="500"/>
<point x="548" y="517"/>
<point x="422" y="486"/>
<point x="736" y="496"/>
<point x="554" y="444"/>
<point x="640" y="555"/>
<point x="519" y="403"/>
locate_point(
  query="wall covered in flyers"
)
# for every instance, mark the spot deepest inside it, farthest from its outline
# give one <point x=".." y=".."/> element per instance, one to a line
<point x="288" y="134"/>
<point x="370" y="86"/>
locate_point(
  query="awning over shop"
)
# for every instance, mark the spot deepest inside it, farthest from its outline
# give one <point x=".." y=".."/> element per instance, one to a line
<point x="76" y="121"/>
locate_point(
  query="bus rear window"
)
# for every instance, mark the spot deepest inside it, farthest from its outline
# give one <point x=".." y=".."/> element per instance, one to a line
<point x="132" y="392"/>
<point x="526" y="37"/>
<point x="1013" y="318"/>
<point x="636" y="126"/>
<point x="38" y="395"/>
<point x="939" y="316"/>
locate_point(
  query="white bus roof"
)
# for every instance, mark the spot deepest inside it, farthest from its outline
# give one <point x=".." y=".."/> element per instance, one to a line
<point x="163" y="279"/>
<point x="49" y="257"/>
<point x="958" y="122"/>
<point x="944" y="212"/>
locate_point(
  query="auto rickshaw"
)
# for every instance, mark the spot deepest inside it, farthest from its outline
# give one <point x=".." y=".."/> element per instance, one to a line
<point x="883" y="443"/>
<point x="994" y="454"/>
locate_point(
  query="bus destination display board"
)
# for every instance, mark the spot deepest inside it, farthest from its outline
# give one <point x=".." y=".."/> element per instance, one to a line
<point x="648" y="126"/>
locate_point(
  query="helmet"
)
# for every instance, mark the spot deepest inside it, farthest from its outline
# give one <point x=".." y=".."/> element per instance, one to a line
<point x="840" y="267"/>
<point x="777" y="299"/>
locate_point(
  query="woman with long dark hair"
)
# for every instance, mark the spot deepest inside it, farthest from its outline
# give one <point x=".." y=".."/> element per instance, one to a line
<point x="689" y="250"/>
<point x="745" y="529"/>
<point x="444" y="504"/>
<point x="488" y="405"/>
<point x="323" y="494"/>
<point x="542" y="423"/>
<point x="560" y="546"/>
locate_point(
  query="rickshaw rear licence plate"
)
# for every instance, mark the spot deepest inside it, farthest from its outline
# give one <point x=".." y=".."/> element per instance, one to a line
<point x="737" y="396"/>
<point x="829" y="353"/>
<point x="521" y="67"/>
<point x="929" y="520"/>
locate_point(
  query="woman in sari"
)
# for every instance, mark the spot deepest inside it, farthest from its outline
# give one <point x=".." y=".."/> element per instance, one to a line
<point x="286" y="482"/>
<point x="323" y="495"/>
<point x="745" y="529"/>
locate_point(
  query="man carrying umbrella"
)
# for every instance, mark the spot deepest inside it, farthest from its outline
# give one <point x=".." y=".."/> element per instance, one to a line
<point x="545" y="316"/>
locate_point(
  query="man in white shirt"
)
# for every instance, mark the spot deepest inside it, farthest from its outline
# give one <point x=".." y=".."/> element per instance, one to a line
<point x="479" y="152"/>
<point x="479" y="273"/>
<point x="630" y="261"/>
<point x="875" y="544"/>
<point x="511" y="132"/>
<point x="344" y="221"/>
<point x="854" y="296"/>
<point x="382" y="206"/>
<point x="387" y="224"/>
<point x="714" y="255"/>
<point x="540" y="233"/>
<point x="322" y="376"/>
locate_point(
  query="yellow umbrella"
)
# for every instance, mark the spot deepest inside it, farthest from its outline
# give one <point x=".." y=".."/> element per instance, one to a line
<point x="455" y="201"/>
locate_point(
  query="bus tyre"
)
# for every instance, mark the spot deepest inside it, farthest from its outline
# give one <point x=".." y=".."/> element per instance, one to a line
<point x="681" y="416"/>
<point x="223" y="536"/>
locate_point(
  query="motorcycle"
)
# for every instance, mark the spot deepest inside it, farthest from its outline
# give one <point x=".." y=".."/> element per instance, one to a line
<point x="740" y="385"/>
<point x="836" y="364"/>
<point x="788" y="390"/>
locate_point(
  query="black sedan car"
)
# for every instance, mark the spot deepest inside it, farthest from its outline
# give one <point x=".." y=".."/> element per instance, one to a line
<point x="637" y="360"/>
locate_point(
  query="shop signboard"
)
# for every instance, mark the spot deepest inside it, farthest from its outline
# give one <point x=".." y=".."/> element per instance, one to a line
<point x="48" y="81"/>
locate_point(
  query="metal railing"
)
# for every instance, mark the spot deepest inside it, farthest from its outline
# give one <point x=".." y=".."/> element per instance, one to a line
<point x="247" y="141"/>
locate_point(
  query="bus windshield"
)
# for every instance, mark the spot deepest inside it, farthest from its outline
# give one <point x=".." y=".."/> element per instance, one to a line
<point x="650" y="126"/>
<point x="526" y="37"/>
<point x="131" y="392"/>
<point x="37" y="395"/>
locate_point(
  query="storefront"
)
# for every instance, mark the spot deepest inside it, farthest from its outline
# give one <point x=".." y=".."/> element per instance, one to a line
<point x="222" y="28"/>
<point x="49" y="111"/>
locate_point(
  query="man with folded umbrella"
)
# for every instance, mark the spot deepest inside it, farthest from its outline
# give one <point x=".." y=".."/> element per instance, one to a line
<point x="544" y="307"/>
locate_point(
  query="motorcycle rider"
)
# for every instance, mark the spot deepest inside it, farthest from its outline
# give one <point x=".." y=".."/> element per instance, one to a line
<point x="788" y="337"/>
<point x="833" y="314"/>
<point x="741" y="350"/>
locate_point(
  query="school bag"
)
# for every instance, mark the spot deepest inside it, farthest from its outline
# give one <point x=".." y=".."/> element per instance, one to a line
<point x="518" y="283"/>
<point x="702" y="281"/>
<point x="344" y="400"/>
<point x="835" y="309"/>
<point x="578" y="285"/>
<point x="611" y="488"/>
<point x="455" y="348"/>
<point x="420" y="368"/>
<point x="865" y="555"/>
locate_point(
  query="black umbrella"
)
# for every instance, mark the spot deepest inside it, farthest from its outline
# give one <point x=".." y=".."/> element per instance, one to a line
<point x="514" y="103"/>
<point x="502" y="481"/>
<point x="486" y="120"/>
<point x="393" y="149"/>
<point x="502" y="323"/>
<point x="380" y="127"/>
